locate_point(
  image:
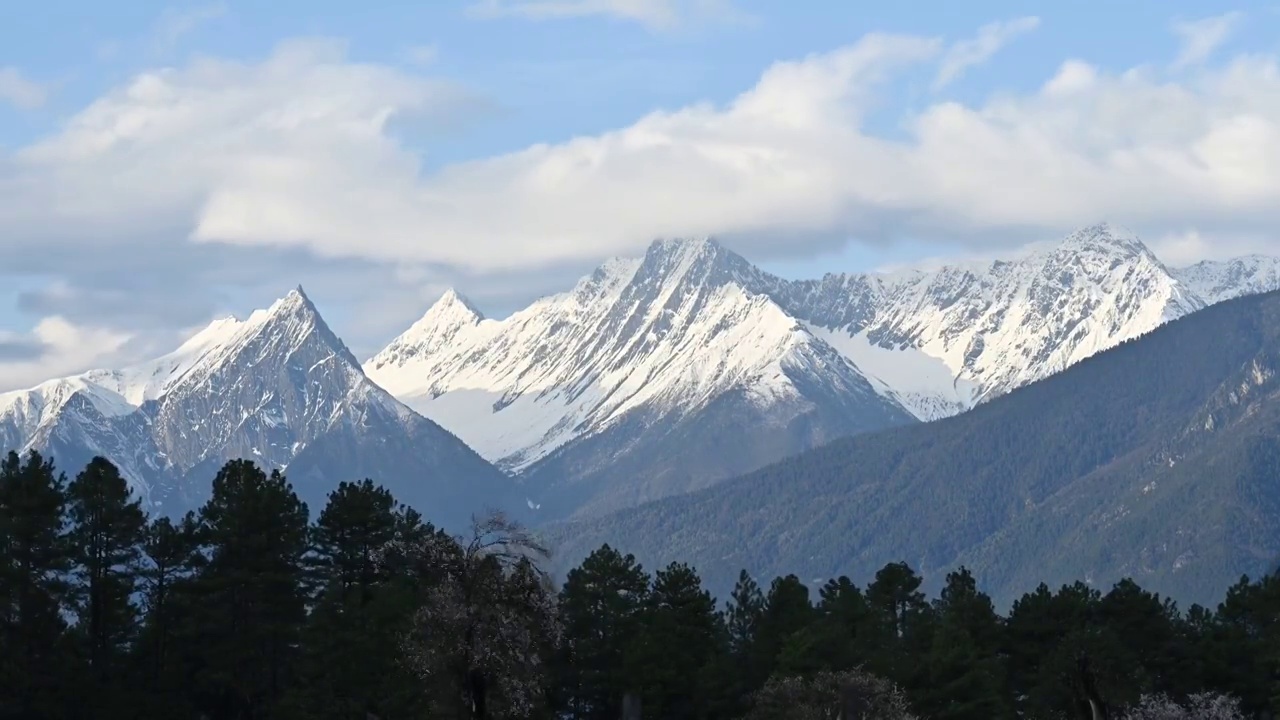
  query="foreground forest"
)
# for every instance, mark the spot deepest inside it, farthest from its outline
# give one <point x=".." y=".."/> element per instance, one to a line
<point x="250" y="609"/>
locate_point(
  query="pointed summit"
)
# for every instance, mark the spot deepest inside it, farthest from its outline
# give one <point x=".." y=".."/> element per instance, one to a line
<point x="454" y="306"/>
<point x="696" y="260"/>
<point x="1105" y="237"/>
<point x="294" y="302"/>
<point x="690" y="250"/>
<point x="450" y="316"/>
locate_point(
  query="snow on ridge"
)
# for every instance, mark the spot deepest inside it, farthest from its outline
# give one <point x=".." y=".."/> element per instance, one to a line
<point x="934" y="341"/>
<point x="1217" y="281"/>
<point x="999" y="325"/>
<point x="925" y="385"/>
<point x="668" y="332"/>
<point x="115" y="393"/>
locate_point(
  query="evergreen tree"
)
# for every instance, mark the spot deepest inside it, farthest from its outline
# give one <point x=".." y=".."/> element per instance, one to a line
<point x="34" y="562"/>
<point x="1062" y="656"/>
<point x="107" y="529"/>
<point x="251" y="604"/>
<point x="1145" y="630"/>
<point x="733" y="675"/>
<point x="1247" y="635"/>
<point x="163" y="653"/>
<point x="965" y="670"/>
<point x="743" y="615"/>
<point x="898" y="624"/>
<point x="350" y="663"/>
<point x="787" y="610"/>
<point x="599" y="607"/>
<point x="681" y="635"/>
<point x="831" y="642"/>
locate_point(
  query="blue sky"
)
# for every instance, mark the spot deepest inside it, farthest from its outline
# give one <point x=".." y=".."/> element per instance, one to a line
<point x="164" y="162"/>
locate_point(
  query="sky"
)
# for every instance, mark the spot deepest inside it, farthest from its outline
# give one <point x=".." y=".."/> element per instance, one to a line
<point x="165" y="164"/>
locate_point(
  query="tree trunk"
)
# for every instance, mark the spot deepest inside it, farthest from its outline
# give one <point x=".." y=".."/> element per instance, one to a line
<point x="478" y="690"/>
<point x="631" y="707"/>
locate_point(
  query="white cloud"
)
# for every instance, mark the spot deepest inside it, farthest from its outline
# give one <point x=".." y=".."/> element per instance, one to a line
<point x="16" y="89"/>
<point x="1201" y="37"/>
<point x="655" y="14"/>
<point x="176" y="22"/>
<point x="63" y="349"/>
<point x="250" y="174"/>
<point x="297" y="151"/>
<point x="977" y="50"/>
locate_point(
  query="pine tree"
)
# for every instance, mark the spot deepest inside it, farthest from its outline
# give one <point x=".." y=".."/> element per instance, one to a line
<point x="965" y="675"/>
<point x="744" y="613"/>
<point x="787" y="611"/>
<point x="250" y="600"/>
<point x="165" y="657"/>
<point x="831" y="642"/>
<point x="600" y="606"/>
<point x="898" y="624"/>
<point x="34" y="562"/>
<point x="681" y="636"/>
<point x="361" y="611"/>
<point x="736" y="673"/>
<point x="106" y="540"/>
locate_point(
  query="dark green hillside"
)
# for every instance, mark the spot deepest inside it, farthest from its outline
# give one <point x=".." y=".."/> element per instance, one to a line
<point x="1157" y="459"/>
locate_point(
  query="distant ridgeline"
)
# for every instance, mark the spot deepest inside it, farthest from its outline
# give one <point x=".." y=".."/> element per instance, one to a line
<point x="253" y="608"/>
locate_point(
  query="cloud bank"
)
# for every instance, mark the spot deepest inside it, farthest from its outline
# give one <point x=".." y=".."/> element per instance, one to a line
<point x="222" y="174"/>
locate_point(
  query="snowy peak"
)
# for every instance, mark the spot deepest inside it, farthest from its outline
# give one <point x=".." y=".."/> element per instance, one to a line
<point x="1005" y="324"/>
<point x="1216" y="281"/>
<point x="453" y="308"/>
<point x="278" y="388"/>
<point x="444" y="322"/>
<point x="1105" y="239"/>
<point x="663" y="335"/>
<point x="261" y="388"/>
<point x="290" y="322"/>
<point x="698" y="262"/>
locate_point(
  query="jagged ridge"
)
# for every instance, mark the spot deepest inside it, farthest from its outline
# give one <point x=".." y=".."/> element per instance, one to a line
<point x="578" y="381"/>
<point x="634" y="350"/>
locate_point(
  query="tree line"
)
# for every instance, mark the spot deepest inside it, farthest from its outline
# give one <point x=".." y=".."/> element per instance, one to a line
<point x="249" y="609"/>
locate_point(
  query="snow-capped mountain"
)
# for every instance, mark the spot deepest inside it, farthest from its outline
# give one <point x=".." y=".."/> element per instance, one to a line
<point x="278" y="388"/>
<point x="653" y="376"/>
<point x="943" y="340"/>
<point x="660" y="374"/>
<point x="1218" y="281"/>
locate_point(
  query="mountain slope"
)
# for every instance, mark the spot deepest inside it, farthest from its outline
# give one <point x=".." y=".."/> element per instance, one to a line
<point x="652" y="376"/>
<point x="1155" y="459"/>
<point x="278" y="388"/>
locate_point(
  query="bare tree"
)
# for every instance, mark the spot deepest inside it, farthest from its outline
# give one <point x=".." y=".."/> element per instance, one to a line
<point x="487" y="616"/>
<point x="850" y="695"/>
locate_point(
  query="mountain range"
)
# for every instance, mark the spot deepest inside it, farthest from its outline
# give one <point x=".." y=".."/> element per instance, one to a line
<point x="652" y="377"/>
<point x="1156" y="460"/>
<point x="668" y="373"/>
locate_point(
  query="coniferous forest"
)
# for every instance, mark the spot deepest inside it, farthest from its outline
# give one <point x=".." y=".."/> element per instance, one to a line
<point x="258" y="607"/>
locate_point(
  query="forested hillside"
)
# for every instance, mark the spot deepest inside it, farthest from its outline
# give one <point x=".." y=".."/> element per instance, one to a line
<point x="1155" y="460"/>
<point x="255" y="608"/>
